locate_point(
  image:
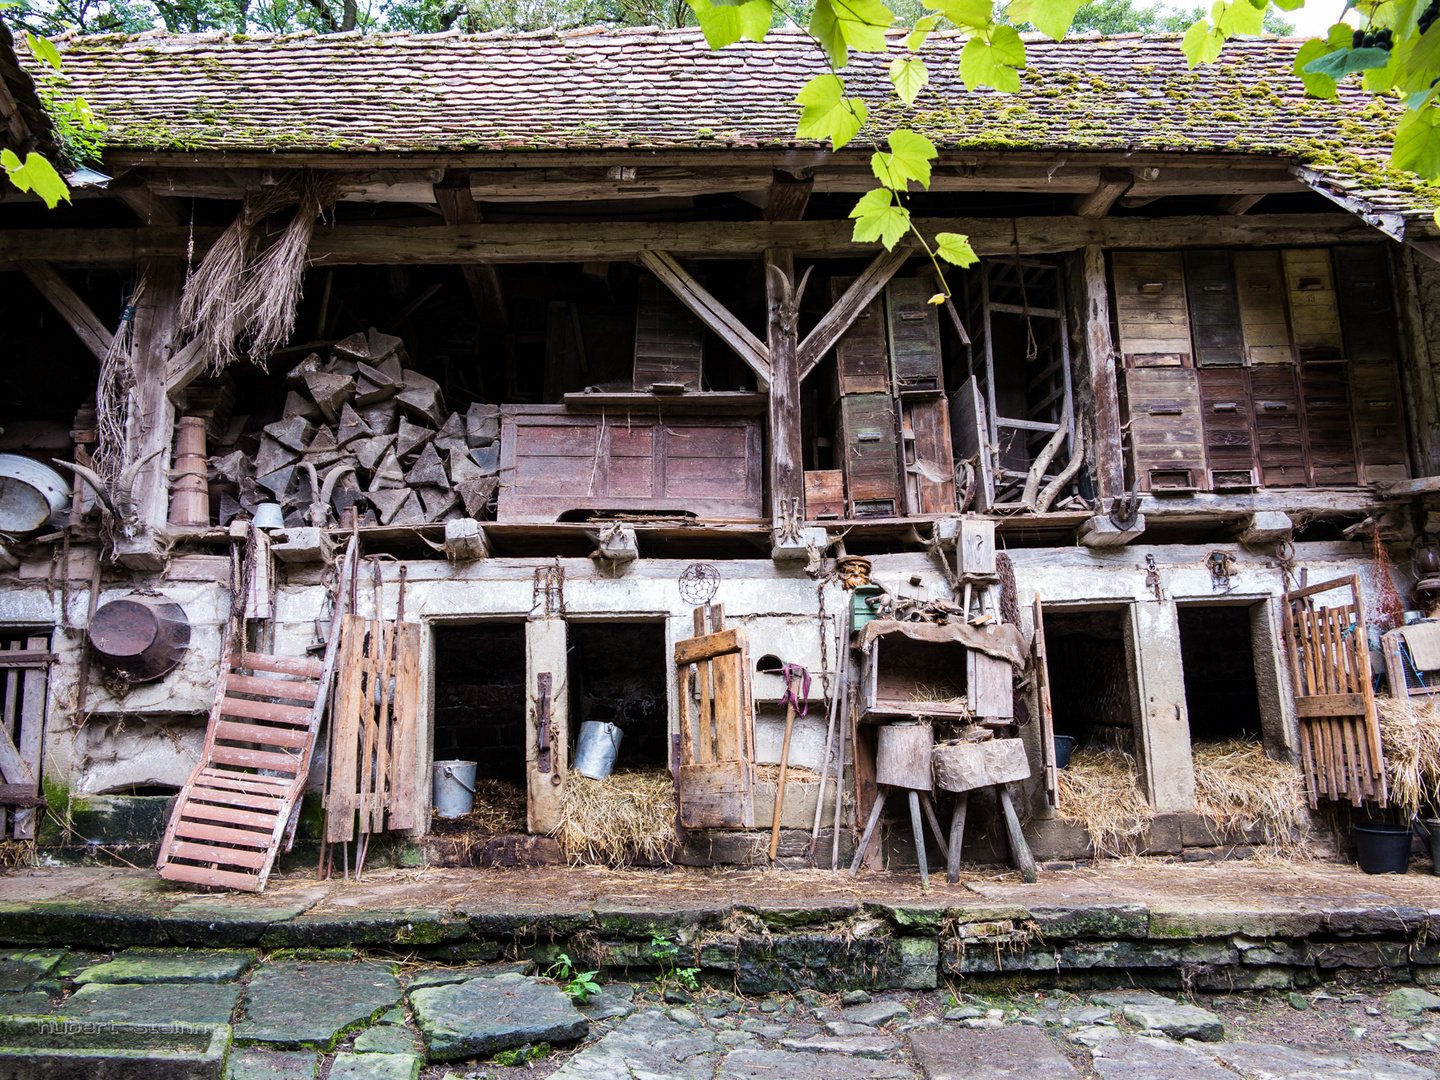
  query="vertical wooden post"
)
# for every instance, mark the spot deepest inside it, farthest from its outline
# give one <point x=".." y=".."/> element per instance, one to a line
<point x="1417" y="365"/>
<point x="786" y="455"/>
<point x="545" y="773"/>
<point x="1100" y="362"/>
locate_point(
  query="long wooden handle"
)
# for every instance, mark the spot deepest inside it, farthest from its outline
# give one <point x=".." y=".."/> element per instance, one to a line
<point x="784" y="760"/>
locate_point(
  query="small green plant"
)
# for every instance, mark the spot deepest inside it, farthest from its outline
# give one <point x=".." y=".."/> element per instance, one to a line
<point x="522" y="1055"/>
<point x="665" y="953"/>
<point x="580" y="986"/>
<point x="689" y="978"/>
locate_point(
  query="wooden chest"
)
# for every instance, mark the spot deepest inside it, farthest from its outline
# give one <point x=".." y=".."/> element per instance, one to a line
<point x="1166" y="442"/>
<point x="1150" y="308"/>
<point x="1314" y="311"/>
<point x="1214" y="309"/>
<point x="1279" y="442"/>
<point x="824" y="494"/>
<point x="1229" y="444"/>
<point x="870" y="454"/>
<point x="1260" y="289"/>
<point x="1326" y="398"/>
<point x="669" y="339"/>
<point x="555" y="463"/>
<point x="914" y="334"/>
<point x="861" y="354"/>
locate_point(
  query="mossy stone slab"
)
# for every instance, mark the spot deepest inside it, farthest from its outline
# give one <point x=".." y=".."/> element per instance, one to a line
<point x="168" y="966"/>
<point x="375" y="1067"/>
<point x="153" y="1003"/>
<point x="313" y="1005"/>
<point x="484" y="1016"/>
<point x="20" y="970"/>
<point x="30" y="1003"/>
<point x="385" y="1040"/>
<point x="255" y="1064"/>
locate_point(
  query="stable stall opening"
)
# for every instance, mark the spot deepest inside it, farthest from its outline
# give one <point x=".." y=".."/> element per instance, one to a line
<point x="618" y="675"/>
<point x="1221" y="694"/>
<point x="1091" y="678"/>
<point x="480" y="699"/>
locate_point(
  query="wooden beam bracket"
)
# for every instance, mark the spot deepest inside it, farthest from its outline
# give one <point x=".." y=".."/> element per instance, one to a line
<point x="92" y="333"/>
<point x="711" y="312"/>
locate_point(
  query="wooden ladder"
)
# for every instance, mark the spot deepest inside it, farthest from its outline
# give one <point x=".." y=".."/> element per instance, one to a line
<point x="242" y="800"/>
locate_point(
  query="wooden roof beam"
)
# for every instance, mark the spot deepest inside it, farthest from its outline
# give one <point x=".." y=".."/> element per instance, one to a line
<point x="93" y="334"/>
<point x="711" y="312"/>
<point x="848" y="308"/>
<point x="457" y="205"/>
<point x="1097" y="203"/>
<point x="1238" y="204"/>
<point x="788" y="197"/>
<point x="151" y="207"/>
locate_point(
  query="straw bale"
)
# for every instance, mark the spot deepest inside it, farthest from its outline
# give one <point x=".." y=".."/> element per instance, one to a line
<point x="627" y="817"/>
<point x="1239" y="787"/>
<point x="1101" y="791"/>
<point x="1410" y="739"/>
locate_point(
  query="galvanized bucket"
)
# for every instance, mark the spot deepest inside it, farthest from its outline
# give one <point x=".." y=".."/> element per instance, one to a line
<point x="599" y="743"/>
<point x="454" y="788"/>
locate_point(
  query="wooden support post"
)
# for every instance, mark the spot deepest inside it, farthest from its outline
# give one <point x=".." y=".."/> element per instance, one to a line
<point x="1097" y="203"/>
<point x="457" y="206"/>
<point x="547" y="727"/>
<point x="1100" y="357"/>
<point x="1238" y="204"/>
<point x="92" y="333"/>
<point x="787" y="477"/>
<point x="848" y="308"/>
<point x="957" y="837"/>
<point x="150" y="208"/>
<point x="788" y="198"/>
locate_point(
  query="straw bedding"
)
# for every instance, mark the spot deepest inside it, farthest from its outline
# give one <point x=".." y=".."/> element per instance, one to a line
<point x="627" y="817"/>
<point x="1411" y="741"/>
<point x="1101" y="791"/>
<point x="499" y="810"/>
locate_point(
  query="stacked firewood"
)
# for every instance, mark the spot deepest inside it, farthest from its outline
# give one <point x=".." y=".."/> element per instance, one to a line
<point x="365" y="435"/>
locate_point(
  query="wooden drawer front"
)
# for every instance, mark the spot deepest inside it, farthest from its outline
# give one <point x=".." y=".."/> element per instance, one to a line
<point x="1150" y="308"/>
<point x="1214" y="309"/>
<point x="914" y="333"/>
<point x="1260" y="286"/>
<point x="1225" y="407"/>
<point x="1279" y="445"/>
<point x="864" y="364"/>
<point x="669" y="339"/>
<point x="1367" y="304"/>
<point x="824" y="494"/>
<point x="1314" y="314"/>
<point x="1379" y="421"/>
<point x="553" y="462"/>
<point x="1327" y="425"/>
<point x="1163" y="409"/>
<point x="928" y="454"/>
<point x="871" y="461"/>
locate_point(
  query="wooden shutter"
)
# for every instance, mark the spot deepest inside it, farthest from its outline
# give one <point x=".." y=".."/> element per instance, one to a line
<point x="1150" y="308"/>
<point x="929" y="465"/>
<point x="1214" y="309"/>
<point x="1279" y="440"/>
<point x="1340" y="749"/>
<point x="970" y="431"/>
<point x="1260" y="289"/>
<point x="669" y="339"/>
<point x="1042" y="701"/>
<point x="717" y="743"/>
<point x="1314" y="314"/>
<point x="860" y="354"/>
<point x="1328" y="438"/>
<point x="871" y="455"/>
<point x="914" y="332"/>
<point x="1229" y="444"/>
<point x="1379" y="421"/>
<point x="1367" y="304"/>
<point x="1167" y="449"/>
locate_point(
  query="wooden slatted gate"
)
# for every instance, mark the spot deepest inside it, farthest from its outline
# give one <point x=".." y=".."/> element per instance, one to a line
<point x="24" y="670"/>
<point x="717" y="745"/>
<point x="1334" y="700"/>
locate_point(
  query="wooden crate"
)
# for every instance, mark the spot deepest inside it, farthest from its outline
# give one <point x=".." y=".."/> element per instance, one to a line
<point x="1166" y="442"/>
<point x="925" y="435"/>
<point x="1279" y="438"/>
<point x="556" y="462"/>
<point x="1367" y="305"/>
<point x="902" y="678"/>
<point x="1328" y="436"/>
<point x="1228" y="422"/>
<point x="1260" y="289"/>
<point x="1150" y="308"/>
<point x="824" y="494"/>
<point x="1379" y="422"/>
<point x="1214" y="309"/>
<point x="914" y="334"/>
<point x="669" y="339"/>
<point x="870" y="455"/>
<point x="1314" y="310"/>
<point x="861" y="356"/>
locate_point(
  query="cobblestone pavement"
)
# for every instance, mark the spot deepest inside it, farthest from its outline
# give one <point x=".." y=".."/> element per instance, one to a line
<point x="335" y="1013"/>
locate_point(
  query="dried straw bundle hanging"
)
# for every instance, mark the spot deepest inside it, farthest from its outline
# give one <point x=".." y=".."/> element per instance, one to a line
<point x="112" y="393"/>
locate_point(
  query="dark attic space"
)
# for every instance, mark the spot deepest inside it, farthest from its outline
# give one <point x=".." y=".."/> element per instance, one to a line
<point x="1092" y="685"/>
<point x="1220" y="691"/>
<point x="618" y="676"/>
<point x="480" y="698"/>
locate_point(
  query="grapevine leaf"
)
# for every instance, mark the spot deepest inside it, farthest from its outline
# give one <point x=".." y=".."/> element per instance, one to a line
<point x="993" y="62"/>
<point x="1201" y="44"/>
<point x="1320" y="86"/>
<point x="1051" y="17"/>
<point x="1240" y="17"/>
<point x="975" y="14"/>
<point x="1289" y="5"/>
<point x="1417" y="143"/>
<point x="954" y="248"/>
<point x="938" y="299"/>
<point x="877" y="217"/>
<point x="909" y="159"/>
<point x="825" y="28"/>
<point x="44" y="49"/>
<point x="863" y="23"/>
<point x="827" y="113"/>
<point x="1342" y="62"/>
<point x="916" y="41"/>
<point x="1419" y="64"/>
<point x="35" y="174"/>
<point x="724" y="23"/>
<point x="909" y="74"/>
<point x="1419" y="99"/>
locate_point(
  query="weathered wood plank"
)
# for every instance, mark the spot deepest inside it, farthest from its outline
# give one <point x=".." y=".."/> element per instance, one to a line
<point x="1100" y="360"/>
<point x="693" y="650"/>
<point x="856" y="299"/>
<point x="93" y="334"/>
<point x="711" y="312"/>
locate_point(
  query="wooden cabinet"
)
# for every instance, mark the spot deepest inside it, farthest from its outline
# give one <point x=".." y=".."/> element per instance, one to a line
<point x="870" y="454"/>
<point x="1260" y="291"/>
<point x="861" y="356"/>
<point x="1314" y="311"/>
<point x="1150" y="308"/>
<point x="914" y="334"/>
<point x="1279" y="438"/>
<point x="1328" y="438"/>
<point x="1367" y="305"/>
<point x="669" y="339"/>
<point x="1229" y="438"/>
<point x="1214" y="309"/>
<point x="1379" y="422"/>
<point x="1167" y="449"/>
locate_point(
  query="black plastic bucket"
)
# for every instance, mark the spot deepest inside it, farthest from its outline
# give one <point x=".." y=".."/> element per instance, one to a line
<point x="1380" y="848"/>
<point x="1064" y="747"/>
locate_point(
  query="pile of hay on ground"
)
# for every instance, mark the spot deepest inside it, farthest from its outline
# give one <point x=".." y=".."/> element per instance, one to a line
<point x="1101" y="791"/>
<point x="1411" y="741"/>
<point x="1238" y="787"/>
<point x="499" y="810"/>
<point x="627" y="817"/>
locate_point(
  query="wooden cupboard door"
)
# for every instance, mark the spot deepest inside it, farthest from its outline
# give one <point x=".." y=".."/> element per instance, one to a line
<point x="1150" y="308"/>
<point x="1228" y="423"/>
<point x="1379" y="422"/>
<point x="1040" y="657"/>
<point x="1314" y="310"/>
<point x="1264" y="324"/>
<point x="1367" y="304"/>
<point x="1279" y="438"/>
<point x="669" y="339"/>
<point x="871" y="455"/>
<point x="1328" y="437"/>
<point x="1167" y="448"/>
<point x="1214" y="309"/>
<point x="914" y="332"/>
<point x="929" y="464"/>
<point x="860" y="354"/>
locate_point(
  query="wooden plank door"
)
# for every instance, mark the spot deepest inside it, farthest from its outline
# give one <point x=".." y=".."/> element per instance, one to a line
<point x="1329" y="438"/>
<point x="1260" y="287"/>
<point x="929" y="465"/>
<point x="547" y="726"/>
<point x="970" y="433"/>
<point x="913" y="328"/>
<point x="717" y="739"/>
<point x="1214" y="309"/>
<point x="1314" y="310"/>
<point x="1042" y="700"/>
<point x="669" y="339"/>
<point x="1229" y="443"/>
<point x="1340" y="749"/>
<point x="1279" y="436"/>
<point x="870" y="455"/>
<point x="1150" y="308"/>
<point x="1167" y="446"/>
<point x="860" y="355"/>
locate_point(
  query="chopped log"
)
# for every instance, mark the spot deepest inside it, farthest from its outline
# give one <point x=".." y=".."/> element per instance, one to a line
<point x="428" y="469"/>
<point x="330" y="393"/>
<point x="229" y="509"/>
<point x="346" y="494"/>
<point x="421" y="399"/>
<point x="463" y="467"/>
<point x="391" y="367"/>
<point x="277" y="482"/>
<point x="383" y="418"/>
<point x="482" y="424"/>
<point x="451" y="433"/>
<point x="250" y="494"/>
<point x="295" y="433"/>
<point x="356" y="347"/>
<point x="370" y="452"/>
<point x="300" y="405"/>
<point x="369" y="392"/>
<point x="385" y="345"/>
<point x="273" y="455"/>
<point x="295" y="378"/>
<point x="323" y="441"/>
<point x="346" y="369"/>
<point x="234" y="467"/>
<point x="387" y="502"/>
<point x="352" y="427"/>
<point x="388" y="474"/>
<point x="487" y="459"/>
<point x="437" y="502"/>
<point x="477" y="495"/>
<point x="412" y="439"/>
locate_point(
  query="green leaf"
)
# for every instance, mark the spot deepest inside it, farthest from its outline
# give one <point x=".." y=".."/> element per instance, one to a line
<point x="974" y="14"/>
<point x="993" y="62"/>
<point x="1420" y="60"/>
<point x="909" y="75"/>
<point x="37" y="175"/>
<point x="1320" y="86"/>
<point x="1201" y="44"/>
<point x="1051" y="17"/>
<point x="1417" y="143"/>
<point x="917" y="37"/>
<point x="825" y="29"/>
<point x="954" y="248"/>
<point x="877" y="217"/>
<point x="909" y="159"/>
<point x="725" y="23"/>
<point x="827" y="113"/>
<point x="1342" y="62"/>
<point x="1340" y="35"/>
<point x="44" y="49"/>
<point x="863" y="23"/>
<point x="1240" y="17"/>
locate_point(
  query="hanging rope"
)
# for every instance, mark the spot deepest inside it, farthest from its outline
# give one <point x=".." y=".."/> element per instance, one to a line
<point x="1032" y="347"/>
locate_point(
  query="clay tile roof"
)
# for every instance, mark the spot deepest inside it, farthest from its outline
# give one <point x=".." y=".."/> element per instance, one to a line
<point x="644" y="88"/>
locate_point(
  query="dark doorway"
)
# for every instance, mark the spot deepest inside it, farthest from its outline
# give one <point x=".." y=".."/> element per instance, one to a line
<point x="1091" y="686"/>
<point x="480" y="698"/>
<point x="618" y="675"/>
<point x="1220" y="691"/>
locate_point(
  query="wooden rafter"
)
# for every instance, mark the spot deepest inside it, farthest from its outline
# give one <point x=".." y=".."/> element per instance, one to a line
<point x="457" y="206"/>
<point x="789" y="195"/>
<point x="1238" y="204"/>
<point x="711" y="312"/>
<point x="838" y="319"/>
<point x="1096" y="204"/>
<point x="92" y="333"/>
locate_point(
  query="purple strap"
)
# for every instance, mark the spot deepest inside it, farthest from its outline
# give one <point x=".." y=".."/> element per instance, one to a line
<point x="788" y="672"/>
